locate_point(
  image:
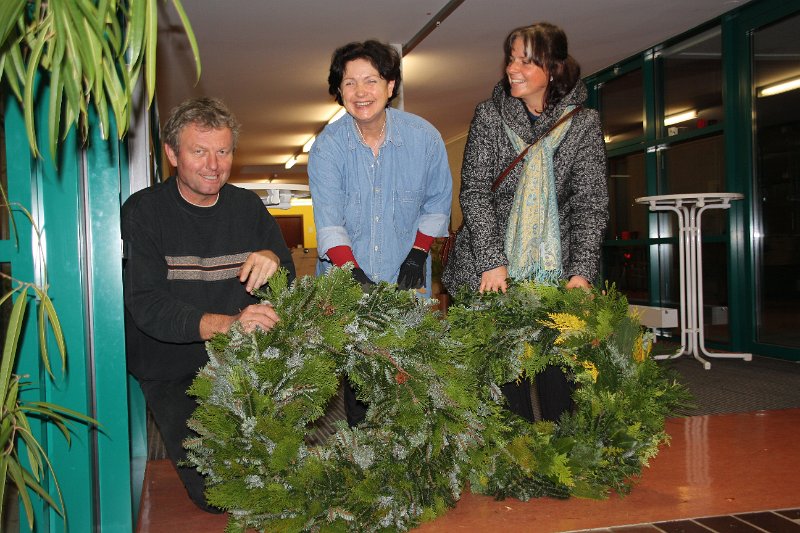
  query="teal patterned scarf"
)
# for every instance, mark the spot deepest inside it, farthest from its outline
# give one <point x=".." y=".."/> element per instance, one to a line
<point x="533" y="239"/>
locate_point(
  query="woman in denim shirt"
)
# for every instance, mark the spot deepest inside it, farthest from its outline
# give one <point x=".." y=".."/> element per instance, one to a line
<point x="379" y="178"/>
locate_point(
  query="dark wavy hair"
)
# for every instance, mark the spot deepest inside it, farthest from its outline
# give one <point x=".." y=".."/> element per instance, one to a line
<point x="545" y="45"/>
<point x="383" y="57"/>
<point x="205" y="112"/>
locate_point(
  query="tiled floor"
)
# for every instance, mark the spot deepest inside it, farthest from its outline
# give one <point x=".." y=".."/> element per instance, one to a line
<point x="729" y="472"/>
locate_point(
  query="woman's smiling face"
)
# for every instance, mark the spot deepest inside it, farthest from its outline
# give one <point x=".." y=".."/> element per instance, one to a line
<point x="528" y="80"/>
<point x="364" y="92"/>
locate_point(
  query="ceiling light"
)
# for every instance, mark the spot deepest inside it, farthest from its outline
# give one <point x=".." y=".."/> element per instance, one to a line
<point x="290" y="162"/>
<point x="780" y="87"/>
<point x="680" y="117"/>
<point x="339" y="114"/>
<point x="309" y="143"/>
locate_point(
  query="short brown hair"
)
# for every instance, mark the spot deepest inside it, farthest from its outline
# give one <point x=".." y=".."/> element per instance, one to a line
<point x="383" y="57"/>
<point x="204" y="112"/>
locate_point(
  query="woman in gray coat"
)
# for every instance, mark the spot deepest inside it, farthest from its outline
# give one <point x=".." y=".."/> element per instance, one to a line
<point x="547" y="218"/>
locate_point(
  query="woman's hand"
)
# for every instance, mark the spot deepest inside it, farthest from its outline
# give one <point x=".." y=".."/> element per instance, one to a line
<point x="494" y="280"/>
<point x="578" y="282"/>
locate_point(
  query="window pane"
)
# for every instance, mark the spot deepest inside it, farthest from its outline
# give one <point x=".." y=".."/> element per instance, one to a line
<point x="776" y="245"/>
<point x="622" y="107"/>
<point x="626" y="182"/>
<point x="696" y="166"/>
<point x="692" y="83"/>
<point x="627" y="267"/>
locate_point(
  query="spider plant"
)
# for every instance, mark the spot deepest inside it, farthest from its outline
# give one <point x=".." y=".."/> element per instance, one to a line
<point x="15" y="426"/>
<point x="93" y="51"/>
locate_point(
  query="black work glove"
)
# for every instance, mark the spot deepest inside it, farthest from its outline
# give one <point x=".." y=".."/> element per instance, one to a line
<point x="362" y="278"/>
<point x="412" y="271"/>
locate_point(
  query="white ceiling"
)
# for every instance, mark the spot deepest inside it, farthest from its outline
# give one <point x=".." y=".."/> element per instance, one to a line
<point x="268" y="59"/>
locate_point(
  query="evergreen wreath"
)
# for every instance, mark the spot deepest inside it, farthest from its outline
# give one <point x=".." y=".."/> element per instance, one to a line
<point x="435" y="417"/>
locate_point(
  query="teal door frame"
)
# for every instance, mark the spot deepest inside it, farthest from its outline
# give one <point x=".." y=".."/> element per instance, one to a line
<point x="740" y="149"/>
<point x="736" y="27"/>
<point x="76" y="206"/>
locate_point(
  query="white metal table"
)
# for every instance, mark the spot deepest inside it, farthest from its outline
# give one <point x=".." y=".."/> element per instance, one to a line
<point x="689" y="209"/>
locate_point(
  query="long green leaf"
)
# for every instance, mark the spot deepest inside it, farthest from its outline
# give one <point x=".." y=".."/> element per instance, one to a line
<point x="10" y="12"/>
<point x="55" y="324"/>
<point x="56" y="94"/>
<point x="28" y="103"/>
<point x="4" y="459"/>
<point x="136" y="37"/>
<point x="117" y="96"/>
<point x="16" y="475"/>
<point x="187" y="27"/>
<point x="12" y="339"/>
<point x="15" y="69"/>
<point x="80" y="44"/>
<point x="33" y="444"/>
<point x="65" y="411"/>
<point x="151" y="41"/>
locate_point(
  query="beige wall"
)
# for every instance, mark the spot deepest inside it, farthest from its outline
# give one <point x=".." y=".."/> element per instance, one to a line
<point x="455" y="155"/>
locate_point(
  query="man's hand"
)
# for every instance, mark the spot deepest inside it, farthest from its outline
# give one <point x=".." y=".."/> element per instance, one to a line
<point x="258" y="268"/>
<point x="254" y="316"/>
<point x="361" y="277"/>
<point x="412" y="271"/>
<point x="494" y="280"/>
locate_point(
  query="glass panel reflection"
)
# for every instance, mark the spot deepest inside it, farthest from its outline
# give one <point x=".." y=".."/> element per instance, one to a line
<point x="692" y="83"/>
<point x="627" y="267"/>
<point x="715" y="286"/>
<point x="696" y="166"/>
<point x="776" y="241"/>
<point x="626" y="182"/>
<point x="622" y="107"/>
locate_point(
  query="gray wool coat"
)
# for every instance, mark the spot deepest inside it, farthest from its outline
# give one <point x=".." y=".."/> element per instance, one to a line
<point x="580" y="171"/>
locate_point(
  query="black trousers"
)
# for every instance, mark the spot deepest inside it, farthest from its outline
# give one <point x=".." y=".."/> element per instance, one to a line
<point x="554" y="393"/>
<point x="171" y="408"/>
<point x="354" y="409"/>
<point x="555" y="397"/>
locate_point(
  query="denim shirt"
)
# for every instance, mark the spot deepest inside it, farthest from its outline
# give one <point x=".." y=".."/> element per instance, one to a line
<point x="375" y="205"/>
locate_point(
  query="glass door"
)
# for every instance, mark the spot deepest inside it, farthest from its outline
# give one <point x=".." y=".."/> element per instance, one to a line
<point x="775" y="57"/>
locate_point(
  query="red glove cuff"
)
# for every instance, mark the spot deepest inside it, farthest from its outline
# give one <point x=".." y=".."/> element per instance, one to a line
<point x="339" y="255"/>
<point x="422" y="241"/>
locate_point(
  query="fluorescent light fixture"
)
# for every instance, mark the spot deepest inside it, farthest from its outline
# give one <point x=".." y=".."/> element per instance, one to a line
<point x="780" y="87"/>
<point x="309" y="143"/>
<point x="680" y="117"/>
<point x="339" y="114"/>
<point x="290" y="162"/>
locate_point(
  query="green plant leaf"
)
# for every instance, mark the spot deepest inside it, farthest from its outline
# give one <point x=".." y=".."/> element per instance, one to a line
<point x="13" y="329"/>
<point x="151" y="40"/>
<point x="14" y="69"/>
<point x="37" y="47"/>
<point x="187" y="27"/>
<point x="46" y="305"/>
<point x="15" y="472"/>
<point x="10" y="12"/>
<point x="135" y="41"/>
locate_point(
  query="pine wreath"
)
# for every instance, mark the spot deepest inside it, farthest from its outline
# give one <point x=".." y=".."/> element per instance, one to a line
<point x="435" y="419"/>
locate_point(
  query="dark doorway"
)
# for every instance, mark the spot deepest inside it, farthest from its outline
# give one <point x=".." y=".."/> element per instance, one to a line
<point x="292" y="229"/>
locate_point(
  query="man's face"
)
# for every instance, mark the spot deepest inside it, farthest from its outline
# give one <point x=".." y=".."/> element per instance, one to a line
<point x="203" y="162"/>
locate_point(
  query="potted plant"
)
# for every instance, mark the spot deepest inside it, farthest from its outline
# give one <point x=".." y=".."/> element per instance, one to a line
<point x="88" y="53"/>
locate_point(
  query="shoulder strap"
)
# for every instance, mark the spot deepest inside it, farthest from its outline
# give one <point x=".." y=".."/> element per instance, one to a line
<point x="517" y="159"/>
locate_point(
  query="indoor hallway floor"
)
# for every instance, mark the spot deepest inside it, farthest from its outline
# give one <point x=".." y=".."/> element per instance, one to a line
<point x="728" y="472"/>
